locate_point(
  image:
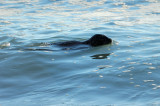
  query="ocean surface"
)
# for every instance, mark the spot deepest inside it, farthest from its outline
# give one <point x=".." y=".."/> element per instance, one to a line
<point x="35" y="73"/>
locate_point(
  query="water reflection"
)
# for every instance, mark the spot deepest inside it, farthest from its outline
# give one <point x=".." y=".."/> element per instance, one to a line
<point x="68" y="74"/>
<point x="100" y="56"/>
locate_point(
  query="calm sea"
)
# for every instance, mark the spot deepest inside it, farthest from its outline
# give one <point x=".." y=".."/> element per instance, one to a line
<point x="125" y="73"/>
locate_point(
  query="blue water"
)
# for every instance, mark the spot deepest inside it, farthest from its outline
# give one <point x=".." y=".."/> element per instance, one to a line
<point x="123" y="73"/>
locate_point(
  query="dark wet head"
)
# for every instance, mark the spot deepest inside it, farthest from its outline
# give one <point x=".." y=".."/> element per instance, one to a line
<point x="98" y="39"/>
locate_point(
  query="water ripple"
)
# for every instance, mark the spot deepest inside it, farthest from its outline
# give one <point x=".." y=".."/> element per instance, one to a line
<point x="33" y="72"/>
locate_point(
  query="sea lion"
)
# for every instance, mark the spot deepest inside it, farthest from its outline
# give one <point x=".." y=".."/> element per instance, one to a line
<point x="95" y="40"/>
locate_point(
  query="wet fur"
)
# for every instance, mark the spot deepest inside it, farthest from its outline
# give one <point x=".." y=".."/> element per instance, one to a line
<point x="96" y="40"/>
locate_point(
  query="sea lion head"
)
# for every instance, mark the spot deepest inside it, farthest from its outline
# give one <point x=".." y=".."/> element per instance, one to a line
<point x="98" y="40"/>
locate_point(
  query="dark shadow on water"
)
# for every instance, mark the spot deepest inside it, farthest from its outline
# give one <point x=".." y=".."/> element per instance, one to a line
<point x="32" y="49"/>
<point x="100" y="56"/>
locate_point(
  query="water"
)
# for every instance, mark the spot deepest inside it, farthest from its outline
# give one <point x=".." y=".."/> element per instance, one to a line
<point x="124" y="73"/>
